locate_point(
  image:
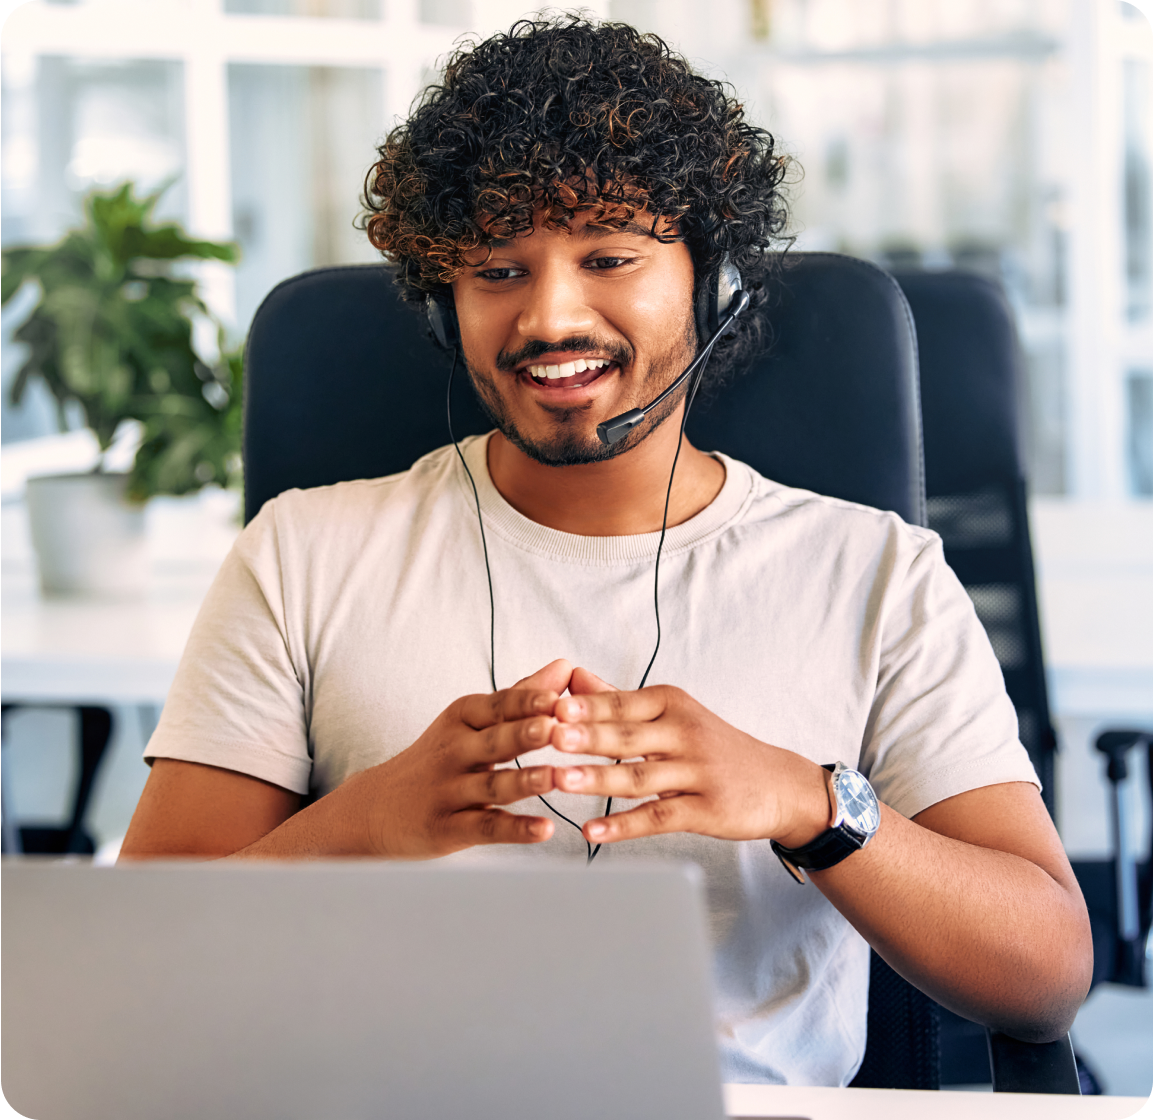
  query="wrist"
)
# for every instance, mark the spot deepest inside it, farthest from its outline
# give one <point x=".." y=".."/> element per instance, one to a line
<point x="344" y="821"/>
<point x="813" y="805"/>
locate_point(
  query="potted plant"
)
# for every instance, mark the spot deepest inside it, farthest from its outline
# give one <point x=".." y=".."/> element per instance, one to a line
<point x="113" y="332"/>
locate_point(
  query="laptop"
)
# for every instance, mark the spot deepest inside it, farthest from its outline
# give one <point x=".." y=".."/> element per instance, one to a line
<point x="356" y="990"/>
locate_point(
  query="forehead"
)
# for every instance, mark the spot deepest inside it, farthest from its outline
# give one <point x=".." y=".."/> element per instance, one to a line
<point x="584" y="229"/>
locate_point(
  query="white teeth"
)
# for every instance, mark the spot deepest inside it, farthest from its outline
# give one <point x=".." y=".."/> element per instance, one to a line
<point x="567" y="369"/>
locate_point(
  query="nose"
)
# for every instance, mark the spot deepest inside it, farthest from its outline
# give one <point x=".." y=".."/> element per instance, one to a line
<point x="556" y="306"/>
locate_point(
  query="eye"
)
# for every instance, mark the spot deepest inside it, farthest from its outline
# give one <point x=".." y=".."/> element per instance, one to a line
<point x="498" y="274"/>
<point x="604" y="264"/>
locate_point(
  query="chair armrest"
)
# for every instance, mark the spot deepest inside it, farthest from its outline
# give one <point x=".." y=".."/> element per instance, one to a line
<point x="1031" y="1067"/>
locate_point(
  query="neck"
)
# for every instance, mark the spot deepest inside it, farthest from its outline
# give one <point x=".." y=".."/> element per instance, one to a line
<point x="615" y="498"/>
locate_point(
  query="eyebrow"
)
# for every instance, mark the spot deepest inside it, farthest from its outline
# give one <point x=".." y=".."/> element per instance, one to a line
<point x="591" y="233"/>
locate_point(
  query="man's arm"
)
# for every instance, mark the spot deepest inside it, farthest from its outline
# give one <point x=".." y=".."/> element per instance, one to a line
<point x="188" y="810"/>
<point x="442" y="794"/>
<point x="974" y="901"/>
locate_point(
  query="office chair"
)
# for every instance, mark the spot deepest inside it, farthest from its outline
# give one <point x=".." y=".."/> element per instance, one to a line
<point x="342" y="382"/>
<point x="976" y="497"/>
<point x="72" y="838"/>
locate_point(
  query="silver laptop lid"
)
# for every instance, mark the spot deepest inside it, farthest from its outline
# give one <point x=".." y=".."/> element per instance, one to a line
<point x="356" y="990"/>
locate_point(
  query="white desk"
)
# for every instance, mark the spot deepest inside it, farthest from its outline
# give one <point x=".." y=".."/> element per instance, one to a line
<point x="75" y="651"/>
<point x="748" y="1101"/>
<point x="122" y="655"/>
<point x="80" y="651"/>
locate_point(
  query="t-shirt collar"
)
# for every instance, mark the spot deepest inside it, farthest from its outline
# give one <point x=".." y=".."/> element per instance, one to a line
<point x="506" y="522"/>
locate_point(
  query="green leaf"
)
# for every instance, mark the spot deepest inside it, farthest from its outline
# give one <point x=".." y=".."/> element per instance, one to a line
<point x="112" y="332"/>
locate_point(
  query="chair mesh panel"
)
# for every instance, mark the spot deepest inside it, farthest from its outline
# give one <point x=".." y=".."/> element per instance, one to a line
<point x="907" y="1022"/>
<point x="986" y="537"/>
<point x="980" y="520"/>
<point x="999" y="609"/>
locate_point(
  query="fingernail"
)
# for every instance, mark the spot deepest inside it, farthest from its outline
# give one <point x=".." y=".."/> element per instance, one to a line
<point x="538" y="828"/>
<point x="538" y="729"/>
<point x="595" y="830"/>
<point x="573" y="709"/>
<point x="541" y="702"/>
<point x="574" y="777"/>
<point x="571" y="737"/>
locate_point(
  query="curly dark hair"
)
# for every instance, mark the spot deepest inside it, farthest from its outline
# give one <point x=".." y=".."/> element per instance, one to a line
<point x="562" y="116"/>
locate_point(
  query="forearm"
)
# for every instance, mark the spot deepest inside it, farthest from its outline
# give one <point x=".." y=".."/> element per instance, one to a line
<point x="332" y="827"/>
<point x="191" y="811"/>
<point x="443" y="794"/>
<point x="988" y="934"/>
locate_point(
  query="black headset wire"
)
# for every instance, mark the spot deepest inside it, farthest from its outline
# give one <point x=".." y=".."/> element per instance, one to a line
<point x="690" y="396"/>
<point x="488" y="573"/>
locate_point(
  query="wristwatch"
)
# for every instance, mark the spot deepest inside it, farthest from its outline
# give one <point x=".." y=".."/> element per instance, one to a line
<point x="857" y="819"/>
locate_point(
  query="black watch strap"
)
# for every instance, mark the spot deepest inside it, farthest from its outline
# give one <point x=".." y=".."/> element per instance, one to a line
<point x="827" y="850"/>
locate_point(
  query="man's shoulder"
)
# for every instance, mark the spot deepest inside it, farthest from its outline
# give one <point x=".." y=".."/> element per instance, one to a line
<point x="358" y="499"/>
<point x="816" y="516"/>
<point x="323" y="524"/>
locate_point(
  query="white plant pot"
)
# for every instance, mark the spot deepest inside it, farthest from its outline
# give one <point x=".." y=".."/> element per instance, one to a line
<point x="89" y="539"/>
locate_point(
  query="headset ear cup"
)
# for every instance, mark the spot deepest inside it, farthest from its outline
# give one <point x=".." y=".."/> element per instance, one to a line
<point x="715" y="296"/>
<point x="442" y="321"/>
<point x="728" y="283"/>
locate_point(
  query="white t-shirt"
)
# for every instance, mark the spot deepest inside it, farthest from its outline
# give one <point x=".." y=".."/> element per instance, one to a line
<point x="348" y="617"/>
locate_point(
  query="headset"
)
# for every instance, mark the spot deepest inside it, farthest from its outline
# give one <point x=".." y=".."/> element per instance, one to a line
<point x="720" y="299"/>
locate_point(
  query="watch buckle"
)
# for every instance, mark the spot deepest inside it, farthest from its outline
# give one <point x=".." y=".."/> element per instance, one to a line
<point x="792" y="869"/>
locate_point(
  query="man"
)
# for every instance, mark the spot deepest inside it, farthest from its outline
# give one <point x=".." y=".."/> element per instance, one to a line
<point x="567" y="194"/>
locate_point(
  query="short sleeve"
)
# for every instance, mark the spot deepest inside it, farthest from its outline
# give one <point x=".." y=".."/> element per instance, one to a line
<point x="941" y="722"/>
<point x="238" y="700"/>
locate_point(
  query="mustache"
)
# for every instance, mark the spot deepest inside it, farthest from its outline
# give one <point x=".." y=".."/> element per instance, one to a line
<point x="620" y="352"/>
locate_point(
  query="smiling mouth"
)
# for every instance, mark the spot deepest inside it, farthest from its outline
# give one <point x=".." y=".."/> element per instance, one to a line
<point x="568" y="375"/>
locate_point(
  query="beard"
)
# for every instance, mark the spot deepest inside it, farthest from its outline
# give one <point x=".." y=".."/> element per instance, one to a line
<point x="572" y="440"/>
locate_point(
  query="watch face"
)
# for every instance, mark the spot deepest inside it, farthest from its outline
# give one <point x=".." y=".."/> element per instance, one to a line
<point x="858" y="802"/>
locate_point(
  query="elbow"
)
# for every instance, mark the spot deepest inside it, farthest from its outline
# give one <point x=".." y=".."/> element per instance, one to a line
<point x="1036" y="1030"/>
<point x="1054" y="997"/>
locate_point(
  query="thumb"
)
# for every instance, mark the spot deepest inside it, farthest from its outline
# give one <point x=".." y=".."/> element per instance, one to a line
<point x="583" y="681"/>
<point x="554" y="677"/>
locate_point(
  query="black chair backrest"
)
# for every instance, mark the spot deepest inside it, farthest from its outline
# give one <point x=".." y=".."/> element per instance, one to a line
<point x="341" y="382"/>
<point x="833" y="405"/>
<point x="971" y="384"/>
<point x="971" y="381"/>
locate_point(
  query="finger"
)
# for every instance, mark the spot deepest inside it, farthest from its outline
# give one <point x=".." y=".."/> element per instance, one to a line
<point x="498" y="826"/>
<point x="614" y="740"/>
<point x="503" y="787"/>
<point x="615" y="707"/>
<point x="630" y="779"/>
<point x="669" y="814"/>
<point x="583" y="681"/>
<point x="502" y="742"/>
<point x="486" y="709"/>
<point x="554" y="677"/>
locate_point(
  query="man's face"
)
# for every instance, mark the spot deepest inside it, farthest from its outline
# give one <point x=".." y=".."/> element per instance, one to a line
<point x="564" y="329"/>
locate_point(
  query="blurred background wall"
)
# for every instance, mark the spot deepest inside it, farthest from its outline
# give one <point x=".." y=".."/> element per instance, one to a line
<point x="1014" y="137"/>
